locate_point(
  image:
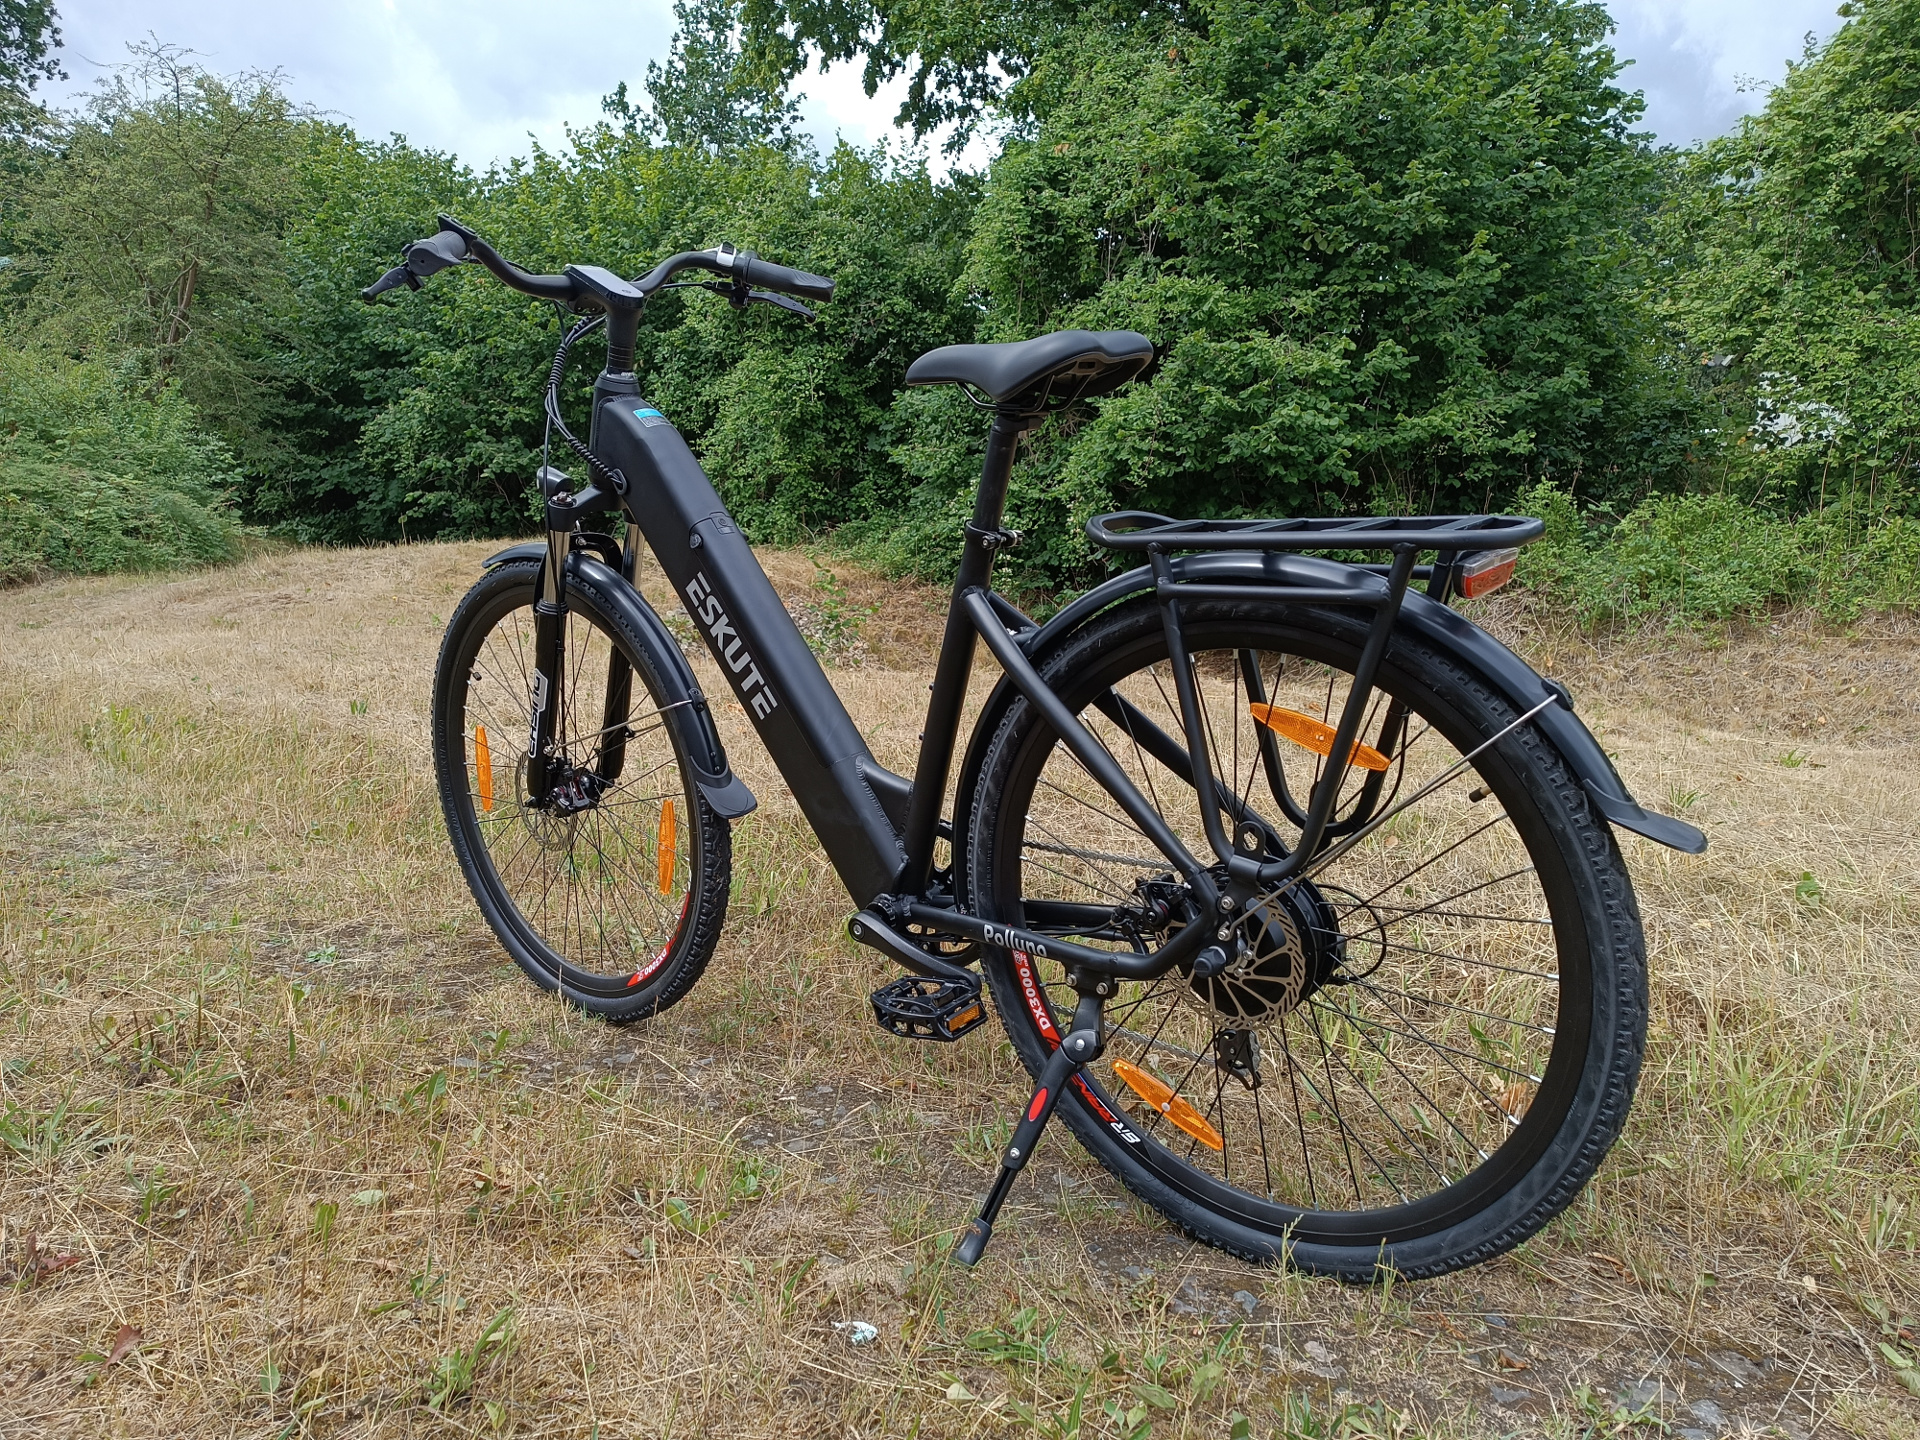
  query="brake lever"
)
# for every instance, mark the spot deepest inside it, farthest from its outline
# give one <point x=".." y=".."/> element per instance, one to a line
<point x="785" y="302"/>
<point x="399" y="275"/>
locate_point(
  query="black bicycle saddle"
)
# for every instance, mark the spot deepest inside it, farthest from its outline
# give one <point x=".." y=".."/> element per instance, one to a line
<point x="1064" y="366"/>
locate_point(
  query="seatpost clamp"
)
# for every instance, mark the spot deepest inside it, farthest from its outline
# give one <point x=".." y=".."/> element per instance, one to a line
<point x="994" y="539"/>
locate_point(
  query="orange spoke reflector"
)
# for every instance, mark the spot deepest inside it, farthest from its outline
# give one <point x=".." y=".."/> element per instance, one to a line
<point x="483" y="767"/>
<point x="1178" y="1112"/>
<point x="1310" y="733"/>
<point x="664" y="855"/>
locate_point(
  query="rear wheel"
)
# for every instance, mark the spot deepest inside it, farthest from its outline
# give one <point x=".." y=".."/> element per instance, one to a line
<point x="614" y="889"/>
<point x="1428" y="1044"/>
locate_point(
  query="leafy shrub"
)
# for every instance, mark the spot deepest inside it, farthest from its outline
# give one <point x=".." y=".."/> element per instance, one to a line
<point x="1713" y="557"/>
<point x="1790" y="264"/>
<point x="1389" y="251"/>
<point x="98" y="473"/>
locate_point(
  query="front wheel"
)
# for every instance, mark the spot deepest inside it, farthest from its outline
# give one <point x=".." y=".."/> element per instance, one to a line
<point x="1426" y="1045"/>
<point x="612" y="889"/>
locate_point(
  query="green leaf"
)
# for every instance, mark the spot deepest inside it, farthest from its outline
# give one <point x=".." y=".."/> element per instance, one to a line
<point x="1156" y="1395"/>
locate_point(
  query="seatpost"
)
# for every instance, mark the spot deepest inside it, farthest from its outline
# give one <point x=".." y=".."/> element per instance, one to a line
<point x="984" y="536"/>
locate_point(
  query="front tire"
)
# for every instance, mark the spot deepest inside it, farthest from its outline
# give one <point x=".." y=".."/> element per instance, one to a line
<point x="1428" y="1046"/>
<point x="615" y="898"/>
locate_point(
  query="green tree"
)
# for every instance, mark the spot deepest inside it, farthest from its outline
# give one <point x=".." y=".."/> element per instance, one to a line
<point x="1389" y="250"/>
<point x="421" y="416"/>
<point x="964" y="59"/>
<point x="155" y="231"/>
<point x="335" y="365"/>
<point x="1792" y="273"/>
<point x="706" y="94"/>
<point x="789" y="417"/>
<point x="28" y="39"/>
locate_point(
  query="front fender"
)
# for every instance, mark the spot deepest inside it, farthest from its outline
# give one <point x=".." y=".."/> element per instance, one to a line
<point x="1439" y="625"/>
<point x="681" y="701"/>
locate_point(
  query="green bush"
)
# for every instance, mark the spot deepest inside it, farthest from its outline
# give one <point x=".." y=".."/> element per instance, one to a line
<point x="1700" y="557"/>
<point x="99" y="473"/>
<point x="1789" y="262"/>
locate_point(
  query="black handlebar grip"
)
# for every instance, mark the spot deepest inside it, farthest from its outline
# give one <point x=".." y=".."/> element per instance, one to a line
<point x="430" y="256"/>
<point x="769" y="276"/>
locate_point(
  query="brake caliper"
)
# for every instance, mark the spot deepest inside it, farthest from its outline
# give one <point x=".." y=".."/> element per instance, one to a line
<point x="580" y="790"/>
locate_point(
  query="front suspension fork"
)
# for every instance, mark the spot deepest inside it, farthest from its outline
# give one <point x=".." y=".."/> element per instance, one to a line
<point x="613" y="716"/>
<point x="549" y="668"/>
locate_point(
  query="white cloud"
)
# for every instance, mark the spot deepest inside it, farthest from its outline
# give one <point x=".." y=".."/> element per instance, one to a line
<point x="478" y="77"/>
<point x="473" y="78"/>
<point x="1692" y="56"/>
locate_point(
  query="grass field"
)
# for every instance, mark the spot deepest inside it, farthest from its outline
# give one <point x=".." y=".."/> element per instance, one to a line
<point x="288" y="1147"/>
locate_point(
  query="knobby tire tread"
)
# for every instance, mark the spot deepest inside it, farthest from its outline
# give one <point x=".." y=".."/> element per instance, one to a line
<point x="1616" y="1055"/>
<point x="699" y="934"/>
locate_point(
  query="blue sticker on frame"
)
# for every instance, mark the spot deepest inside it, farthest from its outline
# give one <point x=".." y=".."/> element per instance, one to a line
<point x="650" y="416"/>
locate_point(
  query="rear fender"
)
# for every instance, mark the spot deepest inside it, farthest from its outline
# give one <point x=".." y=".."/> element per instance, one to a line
<point x="1440" y="626"/>
<point x="682" y="703"/>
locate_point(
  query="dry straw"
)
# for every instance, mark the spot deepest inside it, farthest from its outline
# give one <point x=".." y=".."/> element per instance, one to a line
<point x="290" y="1149"/>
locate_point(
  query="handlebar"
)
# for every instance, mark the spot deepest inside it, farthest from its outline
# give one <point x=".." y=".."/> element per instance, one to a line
<point x="586" y="285"/>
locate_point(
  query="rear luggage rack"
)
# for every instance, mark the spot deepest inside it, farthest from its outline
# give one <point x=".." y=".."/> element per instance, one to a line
<point x="1144" y="530"/>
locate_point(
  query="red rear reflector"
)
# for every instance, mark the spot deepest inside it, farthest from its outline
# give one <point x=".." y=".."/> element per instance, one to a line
<point x="1486" y="572"/>
<point x="1039" y="1103"/>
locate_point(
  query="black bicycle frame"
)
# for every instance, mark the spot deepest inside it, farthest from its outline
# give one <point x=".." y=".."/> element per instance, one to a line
<point x="879" y="829"/>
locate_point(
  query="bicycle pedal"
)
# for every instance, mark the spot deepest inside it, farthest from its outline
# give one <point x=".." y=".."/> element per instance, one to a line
<point x="916" y="1008"/>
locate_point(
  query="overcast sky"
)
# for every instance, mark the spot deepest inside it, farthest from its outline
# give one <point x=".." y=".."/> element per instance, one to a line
<point x="478" y="77"/>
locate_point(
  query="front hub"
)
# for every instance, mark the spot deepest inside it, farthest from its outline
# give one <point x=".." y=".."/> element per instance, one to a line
<point x="553" y="818"/>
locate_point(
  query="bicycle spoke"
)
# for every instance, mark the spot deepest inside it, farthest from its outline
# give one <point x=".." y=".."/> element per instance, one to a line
<point x="1453" y="1005"/>
<point x="1426" y="1015"/>
<point x="1080" y="853"/>
<point x="1353" y="1019"/>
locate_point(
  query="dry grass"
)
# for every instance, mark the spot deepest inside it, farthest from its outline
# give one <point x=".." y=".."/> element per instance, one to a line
<point x="286" y="1138"/>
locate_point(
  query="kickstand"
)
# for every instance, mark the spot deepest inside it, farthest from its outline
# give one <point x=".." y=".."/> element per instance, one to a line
<point x="1079" y="1048"/>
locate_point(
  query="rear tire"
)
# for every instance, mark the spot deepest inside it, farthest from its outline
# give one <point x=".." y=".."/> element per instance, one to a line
<point x="618" y="904"/>
<point x="1447" y="1021"/>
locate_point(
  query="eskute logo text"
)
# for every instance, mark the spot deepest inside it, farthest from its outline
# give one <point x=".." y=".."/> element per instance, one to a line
<point x="706" y="610"/>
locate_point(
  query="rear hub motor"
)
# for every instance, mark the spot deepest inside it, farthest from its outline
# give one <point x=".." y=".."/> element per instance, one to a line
<point x="1289" y="946"/>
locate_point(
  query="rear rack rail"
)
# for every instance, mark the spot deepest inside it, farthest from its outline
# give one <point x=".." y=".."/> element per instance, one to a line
<point x="1145" y="530"/>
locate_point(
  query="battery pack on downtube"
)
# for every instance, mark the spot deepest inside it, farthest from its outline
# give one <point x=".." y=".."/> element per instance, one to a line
<point x="855" y="807"/>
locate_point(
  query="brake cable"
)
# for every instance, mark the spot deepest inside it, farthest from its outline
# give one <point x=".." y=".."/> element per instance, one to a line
<point x="596" y="467"/>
